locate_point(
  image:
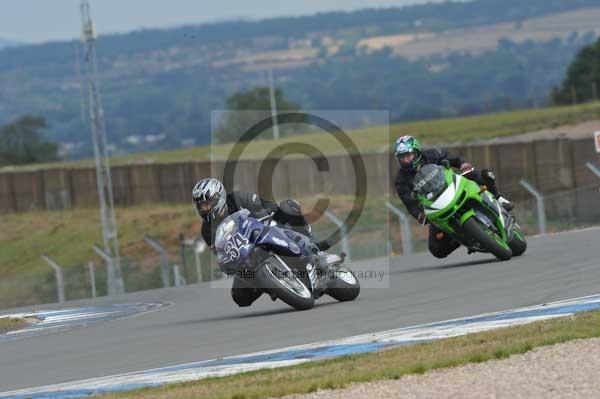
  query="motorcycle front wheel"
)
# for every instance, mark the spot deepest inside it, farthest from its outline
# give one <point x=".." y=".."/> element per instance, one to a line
<point x="276" y="278"/>
<point x="344" y="286"/>
<point x="518" y="245"/>
<point x="488" y="239"/>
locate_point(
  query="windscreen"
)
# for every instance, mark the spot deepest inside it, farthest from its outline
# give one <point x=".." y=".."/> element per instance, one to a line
<point x="430" y="181"/>
<point x="227" y="228"/>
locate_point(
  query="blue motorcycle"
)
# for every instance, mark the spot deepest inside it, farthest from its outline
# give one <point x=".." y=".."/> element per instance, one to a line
<point x="281" y="262"/>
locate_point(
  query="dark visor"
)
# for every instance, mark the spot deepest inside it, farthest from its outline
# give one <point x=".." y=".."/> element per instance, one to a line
<point x="205" y="207"/>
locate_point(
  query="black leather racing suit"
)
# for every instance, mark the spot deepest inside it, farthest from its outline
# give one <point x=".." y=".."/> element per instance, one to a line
<point x="285" y="212"/>
<point x="440" y="248"/>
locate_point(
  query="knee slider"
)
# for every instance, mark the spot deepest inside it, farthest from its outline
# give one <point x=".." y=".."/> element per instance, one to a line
<point x="438" y="254"/>
<point x="242" y="298"/>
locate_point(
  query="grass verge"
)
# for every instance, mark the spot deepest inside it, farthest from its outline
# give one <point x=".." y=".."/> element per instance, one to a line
<point x="389" y="364"/>
<point x="67" y="236"/>
<point x="11" y="323"/>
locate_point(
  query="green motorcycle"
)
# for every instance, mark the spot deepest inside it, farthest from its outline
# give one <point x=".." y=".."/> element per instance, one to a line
<point x="467" y="212"/>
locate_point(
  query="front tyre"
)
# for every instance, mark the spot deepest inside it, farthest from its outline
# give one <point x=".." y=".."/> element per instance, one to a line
<point x="518" y="245"/>
<point x="488" y="239"/>
<point x="344" y="286"/>
<point x="278" y="280"/>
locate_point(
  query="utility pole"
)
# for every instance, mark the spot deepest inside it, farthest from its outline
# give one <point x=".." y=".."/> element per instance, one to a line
<point x="273" y="104"/>
<point x="98" y="130"/>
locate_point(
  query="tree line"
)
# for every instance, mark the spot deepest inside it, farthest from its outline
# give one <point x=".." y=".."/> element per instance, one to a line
<point x="582" y="82"/>
<point x="23" y="142"/>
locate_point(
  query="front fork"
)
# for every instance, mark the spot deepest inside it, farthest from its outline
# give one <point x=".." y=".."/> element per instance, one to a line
<point x="503" y="223"/>
<point x="320" y="270"/>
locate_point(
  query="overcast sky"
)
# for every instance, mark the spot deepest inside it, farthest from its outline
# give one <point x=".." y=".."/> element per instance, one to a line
<point x="48" y="20"/>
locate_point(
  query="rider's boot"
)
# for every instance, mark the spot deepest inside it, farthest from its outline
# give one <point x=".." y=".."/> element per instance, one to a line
<point x="506" y="204"/>
<point x="490" y="182"/>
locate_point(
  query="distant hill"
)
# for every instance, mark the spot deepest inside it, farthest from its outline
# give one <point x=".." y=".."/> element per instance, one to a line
<point x="7" y="43"/>
<point x="448" y="59"/>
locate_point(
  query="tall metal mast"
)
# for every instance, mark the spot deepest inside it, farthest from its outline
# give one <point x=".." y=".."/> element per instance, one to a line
<point x="273" y="103"/>
<point x="98" y="129"/>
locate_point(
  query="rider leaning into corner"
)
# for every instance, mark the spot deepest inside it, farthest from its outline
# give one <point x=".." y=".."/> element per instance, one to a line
<point x="411" y="157"/>
<point x="214" y="204"/>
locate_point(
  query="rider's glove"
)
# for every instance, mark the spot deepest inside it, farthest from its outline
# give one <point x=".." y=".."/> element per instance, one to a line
<point x="422" y="218"/>
<point x="465" y="167"/>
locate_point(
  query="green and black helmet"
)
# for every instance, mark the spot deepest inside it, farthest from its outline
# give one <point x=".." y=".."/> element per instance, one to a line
<point x="407" y="151"/>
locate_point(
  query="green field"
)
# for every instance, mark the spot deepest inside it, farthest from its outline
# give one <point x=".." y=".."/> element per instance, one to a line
<point x="68" y="236"/>
<point x="376" y="139"/>
<point x="388" y="364"/>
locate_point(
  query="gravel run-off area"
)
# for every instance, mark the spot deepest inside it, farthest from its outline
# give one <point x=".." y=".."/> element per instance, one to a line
<point x="569" y="370"/>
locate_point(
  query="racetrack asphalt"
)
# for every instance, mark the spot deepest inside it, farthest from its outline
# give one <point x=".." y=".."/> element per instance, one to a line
<point x="203" y="322"/>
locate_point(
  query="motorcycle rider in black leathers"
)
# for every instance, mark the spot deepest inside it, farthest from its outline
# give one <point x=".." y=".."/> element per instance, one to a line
<point x="411" y="157"/>
<point x="214" y="204"/>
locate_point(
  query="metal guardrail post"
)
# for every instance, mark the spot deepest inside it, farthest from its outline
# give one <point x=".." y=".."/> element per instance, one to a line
<point x="343" y="232"/>
<point x="541" y="208"/>
<point x="198" y="266"/>
<point x="60" y="280"/>
<point x="177" y="277"/>
<point x="407" y="242"/>
<point x="164" y="260"/>
<point x="115" y="284"/>
<point x="595" y="170"/>
<point x="92" y="278"/>
<point x="182" y="254"/>
<point x="199" y="247"/>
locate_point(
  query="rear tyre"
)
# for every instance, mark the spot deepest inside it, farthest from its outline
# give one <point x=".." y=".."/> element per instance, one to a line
<point x="279" y="280"/>
<point x="518" y="245"/>
<point x="344" y="286"/>
<point x="488" y="239"/>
